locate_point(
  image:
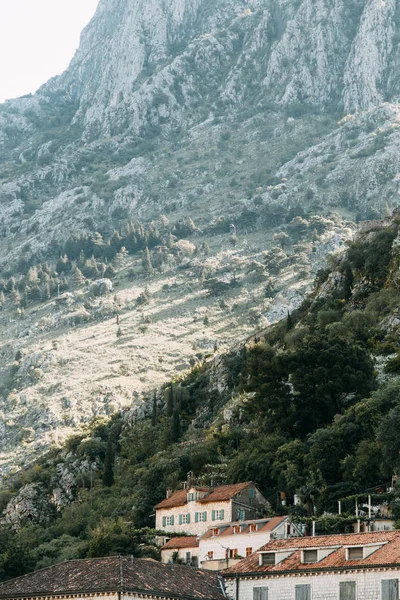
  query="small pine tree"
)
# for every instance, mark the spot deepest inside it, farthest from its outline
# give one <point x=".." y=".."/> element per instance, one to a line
<point x="171" y="240"/>
<point x="45" y="293"/>
<point x="77" y="278"/>
<point x="121" y="258"/>
<point x="16" y="298"/>
<point x="205" y="248"/>
<point x="146" y="262"/>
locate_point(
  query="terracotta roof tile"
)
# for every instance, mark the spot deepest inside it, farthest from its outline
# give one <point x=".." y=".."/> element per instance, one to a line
<point x="224" y="492"/>
<point x="115" y="574"/>
<point x="178" y="498"/>
<point x="387" y="554"/>
<point x="188" y="541"/>
<point x="218" y="494"/>
<point x="228" y="528"/>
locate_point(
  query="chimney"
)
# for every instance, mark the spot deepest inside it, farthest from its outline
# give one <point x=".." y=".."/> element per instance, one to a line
<point x="169" y="493"/>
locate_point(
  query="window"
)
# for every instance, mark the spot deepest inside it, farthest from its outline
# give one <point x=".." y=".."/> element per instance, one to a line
<point x="390" y="589"/>
<point x="241" y="514"/>
<point x="251" y="493"/>
<point x="218" y="515"/>
<point x="356" y="553"/>
<point x="192" y="496"/>
<point x="210" y="555"/>
<point x="188" y="558"/>
<point x="310" y="556"/>
<point x="303" y="592"/>
<point x="215" y="531"/>
<point x="236" y="529"/>
<point x="233" y="552"/>
<point x="268" y="558"/>
<point x="200" y="516"/>
<point x="253" y="528"/>
<point x="183" y="519"/>
<point x="167" y="521"/>
<point x="260" y="593"/>
<point x="249" y="551"/>
<point x="347" y="590"/>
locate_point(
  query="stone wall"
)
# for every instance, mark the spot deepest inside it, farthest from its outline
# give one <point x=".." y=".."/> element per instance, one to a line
<point x="323" y="586"/>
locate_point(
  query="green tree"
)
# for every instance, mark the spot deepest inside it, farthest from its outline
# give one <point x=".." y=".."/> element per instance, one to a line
<point x="146" y="262"/>
<point x="108" y="473"/>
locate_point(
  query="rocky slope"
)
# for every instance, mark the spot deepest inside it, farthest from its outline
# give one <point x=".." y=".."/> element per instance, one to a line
<point x="253" y="112"/>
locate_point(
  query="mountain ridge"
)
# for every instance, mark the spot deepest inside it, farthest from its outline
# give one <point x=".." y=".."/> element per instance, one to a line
<point x="272" y="127"/>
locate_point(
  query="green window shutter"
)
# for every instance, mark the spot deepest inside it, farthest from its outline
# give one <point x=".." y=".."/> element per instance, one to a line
<point x="164" y="521"/>
<point x="260" y="593"/>
<point x="204" y="516"/>
<point x="188" y="519"/>
<point x="172" y="520"/>
<point x="303" y="592"/>
<point x="347" y="590"/>
<point x="390" y="589"/>
<point x="213" y="515"/>
<point x="222" y="513"/>
<point x="251" y="493"/>
<point x="180" y="519"/>
<point x="196" y="517"/>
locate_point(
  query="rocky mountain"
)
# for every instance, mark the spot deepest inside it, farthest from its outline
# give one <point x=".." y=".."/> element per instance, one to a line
<point x="253" y="119"/>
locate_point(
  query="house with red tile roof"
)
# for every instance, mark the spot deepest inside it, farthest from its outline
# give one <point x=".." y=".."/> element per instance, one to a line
<point x="223" y="546"/>
<point x="114" y="578"/>
<point x="363" y="566"/>
<point x="194" y="509"/>
<point x="184" y="549"/>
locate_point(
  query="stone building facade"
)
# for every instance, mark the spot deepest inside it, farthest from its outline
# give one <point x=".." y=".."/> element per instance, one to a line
<point x="181" y="549"/>
<point x="363" y="566"/>
<point x="194" y="510"/>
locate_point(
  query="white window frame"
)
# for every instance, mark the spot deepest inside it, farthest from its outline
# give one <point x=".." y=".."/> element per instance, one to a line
<point x="169" y="521"/>
<point x="202" y="516"/>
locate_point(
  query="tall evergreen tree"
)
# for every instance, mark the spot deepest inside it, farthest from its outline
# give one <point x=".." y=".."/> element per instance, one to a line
<point x="348" y="282"/>
<point x="146" y="262"/>
<point x="108" y="474"/>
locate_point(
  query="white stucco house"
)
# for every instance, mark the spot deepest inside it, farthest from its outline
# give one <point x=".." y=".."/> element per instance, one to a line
<point x="195" y="509"/>
<point x="183" y="549"/>
<point x="363" y="566"/>
<point x="224" y="545"/>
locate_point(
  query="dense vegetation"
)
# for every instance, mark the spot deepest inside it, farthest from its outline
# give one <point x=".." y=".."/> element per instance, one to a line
<point x="310" y="409"/>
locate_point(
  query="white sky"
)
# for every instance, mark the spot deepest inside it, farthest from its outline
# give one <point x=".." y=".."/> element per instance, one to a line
<point x="38" y="38"/>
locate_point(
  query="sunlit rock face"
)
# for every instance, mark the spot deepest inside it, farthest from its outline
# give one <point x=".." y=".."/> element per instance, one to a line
<point x="247" y="110"/>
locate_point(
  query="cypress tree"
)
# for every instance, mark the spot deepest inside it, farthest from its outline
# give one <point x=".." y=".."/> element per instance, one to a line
<point x="289" y="322"/>
<point x="348" y="282"/>
<point x="175" y="426"/>
<point x="154" y="412"/>
<point x="146" y="262"/>
<point x="108" y="474"/>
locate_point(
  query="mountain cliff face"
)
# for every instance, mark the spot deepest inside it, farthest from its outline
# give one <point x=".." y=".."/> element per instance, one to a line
<point x="251" y="113"/>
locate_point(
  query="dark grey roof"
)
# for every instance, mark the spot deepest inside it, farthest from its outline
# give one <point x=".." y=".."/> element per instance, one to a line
<point x="116" y="574"/>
